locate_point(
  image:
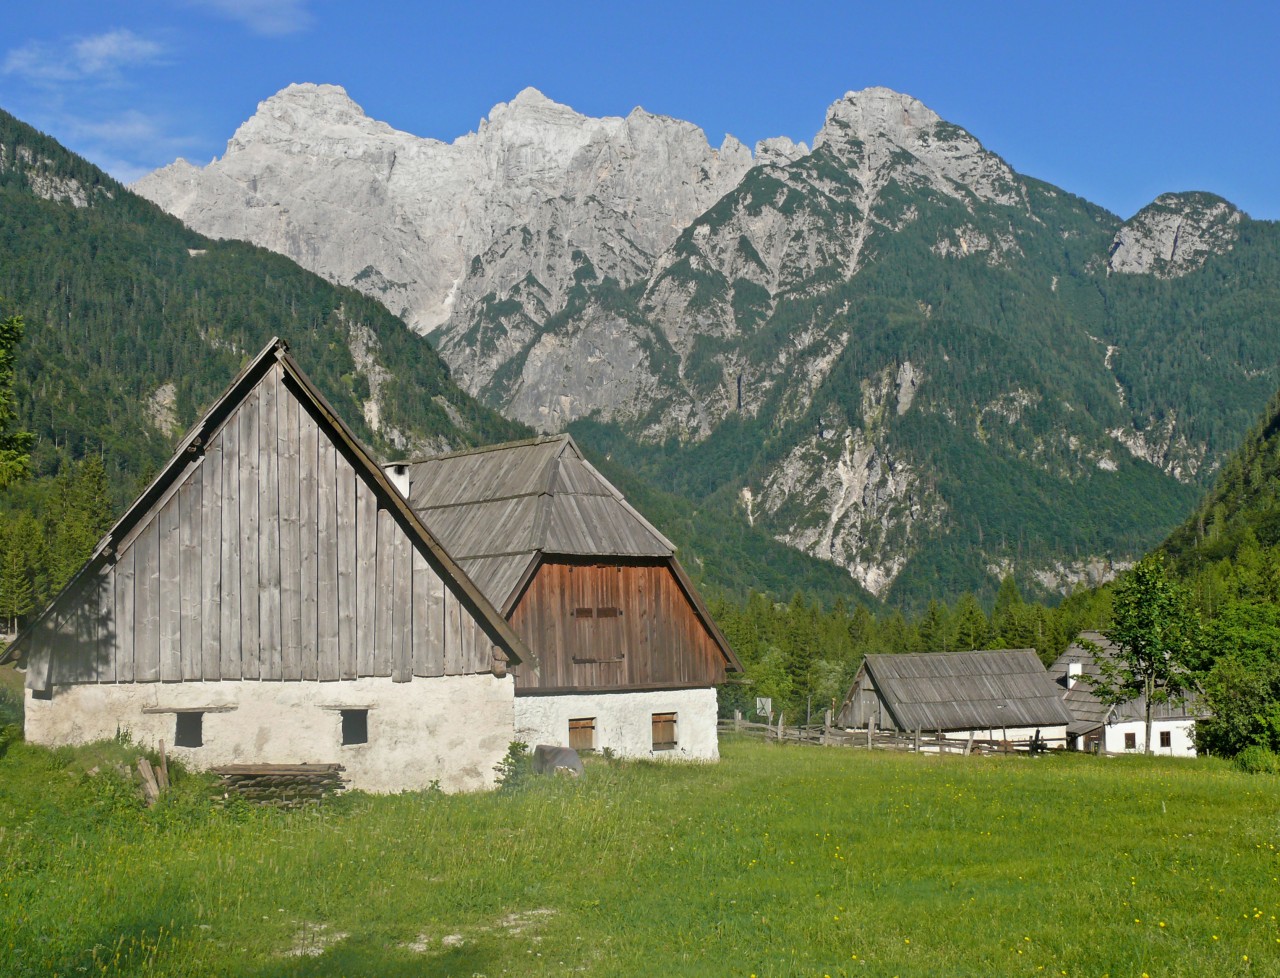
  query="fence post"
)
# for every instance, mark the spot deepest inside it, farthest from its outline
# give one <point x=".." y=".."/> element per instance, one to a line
<point x="737" y="720"/>
<point x="917" y="748"/>
<point x="826" y="727"/>
<point x="969" y="746"/>
<point x="782" y="719"/>
<point x="870" y="721"/>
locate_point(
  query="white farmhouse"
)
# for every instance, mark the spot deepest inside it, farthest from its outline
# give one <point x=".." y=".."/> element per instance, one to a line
<point x="1122" y="729"/>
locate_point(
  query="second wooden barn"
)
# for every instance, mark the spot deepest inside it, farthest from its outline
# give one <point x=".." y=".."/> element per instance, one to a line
<point x="1003" y="694"/>
<point x="625" y="654"/>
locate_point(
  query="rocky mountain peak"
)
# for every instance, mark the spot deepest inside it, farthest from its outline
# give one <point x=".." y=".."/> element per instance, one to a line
<point x="303" y="111"/>
<point x="870" y="129"/>
<point x="779" y="151"/>
<point x="1174" y="234"/>
<point x="879" y="111"/>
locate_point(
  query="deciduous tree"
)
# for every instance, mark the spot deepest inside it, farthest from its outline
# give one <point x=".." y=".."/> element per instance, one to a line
<point x="1156" y="634"/>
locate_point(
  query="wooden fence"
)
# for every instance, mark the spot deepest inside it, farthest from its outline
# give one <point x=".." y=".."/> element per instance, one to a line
<point x="870" y="738"/>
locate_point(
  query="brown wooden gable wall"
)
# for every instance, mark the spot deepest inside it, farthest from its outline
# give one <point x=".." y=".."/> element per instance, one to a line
<point x="269" y="558"/>
<point x="655" y="639"/>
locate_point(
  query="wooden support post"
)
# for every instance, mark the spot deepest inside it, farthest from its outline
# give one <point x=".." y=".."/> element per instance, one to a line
<point x="737" y="720"/>
<point x="162" y="775"/>
<point x="968" y="748"/>
<point x="870" y="722"/>
<point x="782" y="719"/>
<point x="917" y="744"/>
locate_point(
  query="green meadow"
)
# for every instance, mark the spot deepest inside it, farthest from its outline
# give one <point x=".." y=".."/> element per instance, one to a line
<point x="778" y="861"/>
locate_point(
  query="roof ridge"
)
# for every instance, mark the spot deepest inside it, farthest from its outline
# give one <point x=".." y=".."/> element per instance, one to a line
<point x="485" y="449"/>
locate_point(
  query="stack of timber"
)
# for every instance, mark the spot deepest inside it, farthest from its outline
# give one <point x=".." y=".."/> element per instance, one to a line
<point x="282" y="785"/>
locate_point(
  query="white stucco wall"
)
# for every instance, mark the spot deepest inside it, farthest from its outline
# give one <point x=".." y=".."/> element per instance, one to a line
<point x="451" y="729"/>
<point x="1181" y="746"/>
<point x="624" y="721"/>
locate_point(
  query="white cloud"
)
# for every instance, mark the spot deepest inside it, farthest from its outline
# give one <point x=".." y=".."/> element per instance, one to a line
<point x="263" y="16"/>
<point x="113" y="50"/>
<point x="101" y="56"/>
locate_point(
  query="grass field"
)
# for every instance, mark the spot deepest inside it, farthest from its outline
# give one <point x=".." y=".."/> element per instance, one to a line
<point x="777" y="861"/>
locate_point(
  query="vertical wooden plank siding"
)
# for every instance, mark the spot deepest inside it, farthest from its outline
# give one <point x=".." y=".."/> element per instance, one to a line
<point x="250" y="632"/>
<point x="347" y="569"/>
<point x="124" y="617"/>
<point x="269" y="526"/>
<point x="290" y="555"/>
<point x="327" y="562"/>
<point x="308" y="542"/>
<point x="453" y="662"/>
<point x="384" y="614"/>
<point x="402" y="605"/>
<point x="211" y="561"/>
<point x="653" y="639"/>
<point x="189" y="514"/>
<point x="169" y="591"/>
<point x="146" y="648"/>
<point x="366" y="577"/>
<point x="269" y="558"/>
<point x="428" y="658"/>
<point x="106" y="607"/>
<point x="229" y="441"/>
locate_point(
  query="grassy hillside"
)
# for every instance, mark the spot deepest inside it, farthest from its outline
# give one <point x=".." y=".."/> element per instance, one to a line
<point x="777" y="861"/>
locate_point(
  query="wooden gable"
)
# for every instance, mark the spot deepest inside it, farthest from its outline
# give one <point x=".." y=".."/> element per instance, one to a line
<point x="606" y="625"/>
<point x="271" y="548"/>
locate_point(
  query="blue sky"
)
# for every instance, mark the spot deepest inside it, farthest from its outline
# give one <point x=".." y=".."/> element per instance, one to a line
<point x="1116" y="102"/>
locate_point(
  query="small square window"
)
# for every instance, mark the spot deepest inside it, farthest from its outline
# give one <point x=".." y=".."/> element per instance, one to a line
<point x="1166" y="738"/>
<point x="189" y="730"/>
<point x="582" y="733"/>
<point x="355" y="727"/>
<point x="1131" y="741"/>
<point x="664" y="731"/>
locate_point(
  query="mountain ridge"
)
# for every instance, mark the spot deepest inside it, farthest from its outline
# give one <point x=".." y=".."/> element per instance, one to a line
<point x="826" y="340"/>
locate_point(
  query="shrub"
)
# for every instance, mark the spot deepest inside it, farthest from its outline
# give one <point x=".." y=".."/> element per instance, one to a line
<point x="515" y="768"/>
<point x="1258" y="760"/>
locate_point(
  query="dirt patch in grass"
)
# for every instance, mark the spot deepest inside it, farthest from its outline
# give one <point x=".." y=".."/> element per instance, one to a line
<point x="517" y="922"/>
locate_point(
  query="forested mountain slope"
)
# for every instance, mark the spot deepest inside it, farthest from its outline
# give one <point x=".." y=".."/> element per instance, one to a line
<point x="890" y="351"/>
<point x="134" y="323"/>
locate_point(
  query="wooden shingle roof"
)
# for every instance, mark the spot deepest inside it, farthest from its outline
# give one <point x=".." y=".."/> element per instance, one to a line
<point x="1087" y="711"/>
<point x="498" y="509"/>
<point x="967" y="690"/>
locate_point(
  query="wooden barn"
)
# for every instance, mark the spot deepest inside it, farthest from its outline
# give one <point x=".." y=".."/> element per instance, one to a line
<point x="271" y="598"/>
<point x="993" y="695"/>
<point x="625" y="654"/>
<point x="1097" y="727"/>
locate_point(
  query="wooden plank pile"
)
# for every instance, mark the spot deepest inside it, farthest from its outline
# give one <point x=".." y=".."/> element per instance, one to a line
<point x="282" y="785"/>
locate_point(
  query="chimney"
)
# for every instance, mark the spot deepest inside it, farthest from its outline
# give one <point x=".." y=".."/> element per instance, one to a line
<point x="1074" y="670"/>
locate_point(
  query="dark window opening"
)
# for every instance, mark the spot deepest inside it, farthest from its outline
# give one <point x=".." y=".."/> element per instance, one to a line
<point x="608" y="612"/>
<point x="1166" y="738"/>
<point x="582" y="733"/>
<point x="355" y="727"/>
<point x="583" y="612"/>
<point x="664" y="731"/>
<point x="1131" y="741"/>
<point x="189" y="730"/>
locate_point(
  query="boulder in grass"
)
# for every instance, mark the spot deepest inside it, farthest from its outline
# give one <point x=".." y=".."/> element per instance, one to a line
<point x="548" y="760"/>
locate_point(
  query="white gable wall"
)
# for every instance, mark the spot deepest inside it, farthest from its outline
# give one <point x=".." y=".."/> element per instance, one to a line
<point x="450" y="729"/>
